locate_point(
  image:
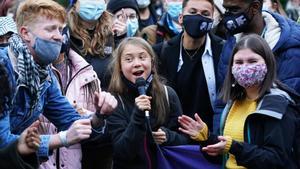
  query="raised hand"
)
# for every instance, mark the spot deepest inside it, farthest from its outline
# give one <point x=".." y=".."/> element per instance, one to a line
<point x="190" y="126"/>
<point x="105" y="103"/>
<point x="119" y="27"/>
<point x="159" y="136"/>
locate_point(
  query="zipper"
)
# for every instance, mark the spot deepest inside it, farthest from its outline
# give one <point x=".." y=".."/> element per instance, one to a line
<point x="75" y="76"/>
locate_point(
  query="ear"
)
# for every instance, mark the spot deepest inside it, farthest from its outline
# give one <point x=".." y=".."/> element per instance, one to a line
<point x="180" y="19"/>
<point x="25" y="34"/>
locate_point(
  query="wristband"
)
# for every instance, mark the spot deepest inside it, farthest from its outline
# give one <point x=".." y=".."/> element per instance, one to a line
<point x="63" y="138"/>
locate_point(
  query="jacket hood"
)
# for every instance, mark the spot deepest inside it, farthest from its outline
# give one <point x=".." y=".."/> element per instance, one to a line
<point x="86" y="74"/>
<point x="289" y="32"/>
<point x="77" y="61"/>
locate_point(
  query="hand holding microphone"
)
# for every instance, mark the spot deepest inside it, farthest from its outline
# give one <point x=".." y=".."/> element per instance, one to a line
<point x="143" y="101"/>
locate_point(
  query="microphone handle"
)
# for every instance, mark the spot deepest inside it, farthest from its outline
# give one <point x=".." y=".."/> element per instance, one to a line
<point x="147" y="113"/>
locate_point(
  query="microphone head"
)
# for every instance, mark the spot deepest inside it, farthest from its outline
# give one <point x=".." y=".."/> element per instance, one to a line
<point x="140" y="82"/>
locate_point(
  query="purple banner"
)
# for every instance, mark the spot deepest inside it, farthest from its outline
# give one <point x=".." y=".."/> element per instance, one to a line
<point x="183" y="157"/>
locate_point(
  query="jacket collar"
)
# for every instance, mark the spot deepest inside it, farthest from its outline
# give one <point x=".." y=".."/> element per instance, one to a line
<point x="273" y="104"/>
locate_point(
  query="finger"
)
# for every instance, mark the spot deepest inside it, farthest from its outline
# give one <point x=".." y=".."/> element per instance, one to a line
<point x="198" y="119"/>
<point x="185" y="131"/>
<point x="212" y="154"/>
<point x="83" y="122"/>
<point x="209" y="150"/>
<point x="85" y="131"/>
<point x="158" y="134"/>
<point x="120" y="24"/>
<point x="110" y="104"/>
<point x="217" y="146"/>
<point x="102" y="99"/>
<point x="32" y="134"/>
<point x="159" y="141"/>
<point x="35" y="124"/>
<point x="36" y="145"/>
<point x="162" y="138"/>
<point x="185" y="124"/>
<point x="96" y="98"/>
<point x="222" y="138"/>
<point x="187" y="118"/>
<point x="124" y="15"/>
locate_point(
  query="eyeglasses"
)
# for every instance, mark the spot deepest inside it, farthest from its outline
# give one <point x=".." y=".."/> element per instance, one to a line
<point x="124" y="16"/>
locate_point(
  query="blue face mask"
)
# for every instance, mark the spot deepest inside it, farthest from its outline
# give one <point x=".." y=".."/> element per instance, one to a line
<point x="46" y="51"/>
<point x="170" y="23"/>
<point x="174" y="9"/>
<point x="91" y="10"/>
<point x="132" y="27"/>
<point x="143" y="3"/>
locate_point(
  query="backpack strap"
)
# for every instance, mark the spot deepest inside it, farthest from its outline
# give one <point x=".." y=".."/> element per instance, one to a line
<point x="167" y="94"/>
<point x="120" y="98"/>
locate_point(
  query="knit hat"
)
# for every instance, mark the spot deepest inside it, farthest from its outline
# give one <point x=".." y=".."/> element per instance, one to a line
<point x="115" y="5"/>
<point x="7" y="24"/>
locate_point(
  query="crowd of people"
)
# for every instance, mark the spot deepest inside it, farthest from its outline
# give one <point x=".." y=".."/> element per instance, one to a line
<point x="105" y="84"/>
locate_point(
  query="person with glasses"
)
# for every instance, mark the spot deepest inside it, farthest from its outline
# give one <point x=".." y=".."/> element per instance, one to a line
<point x="125" y="18"/>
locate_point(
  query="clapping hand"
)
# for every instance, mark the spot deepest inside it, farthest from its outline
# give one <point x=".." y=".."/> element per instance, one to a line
<point x="190" y="126"/>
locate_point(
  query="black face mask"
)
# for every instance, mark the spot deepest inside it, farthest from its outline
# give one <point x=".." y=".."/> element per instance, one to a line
<point x="197" y="25"/>
<point x="236" y="23"/>
<point x="65" y="47"/>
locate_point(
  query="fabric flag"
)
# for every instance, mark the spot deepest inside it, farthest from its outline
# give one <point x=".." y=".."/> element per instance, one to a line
<point x="183" y="157"/>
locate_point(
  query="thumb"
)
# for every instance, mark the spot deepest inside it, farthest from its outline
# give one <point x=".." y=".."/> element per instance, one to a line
<point x="222" y="138"/>
<point x="96" y="98"/>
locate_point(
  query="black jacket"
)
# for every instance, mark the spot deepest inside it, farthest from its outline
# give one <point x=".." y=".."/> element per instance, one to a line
<point x="269" y="134"/>
<point x="195" y="97"/>
<point x="130" y="138"/>
<point x="11" y="159"/>
<point x="99" y="62"/>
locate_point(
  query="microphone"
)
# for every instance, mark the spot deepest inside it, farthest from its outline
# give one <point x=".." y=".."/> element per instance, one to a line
<point x="141" y="83"/>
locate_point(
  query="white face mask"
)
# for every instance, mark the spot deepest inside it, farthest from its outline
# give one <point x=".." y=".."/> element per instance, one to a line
<point x="174" y="9"/>
<point x="143" y="3"/>
<point x="132" y="27"/>
<point x="91" y="10"/>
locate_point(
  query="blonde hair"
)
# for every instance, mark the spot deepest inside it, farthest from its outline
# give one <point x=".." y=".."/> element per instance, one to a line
<point x="29" y="10"/>
<point x="95" y="45"/>
<point x="160" y="107"/>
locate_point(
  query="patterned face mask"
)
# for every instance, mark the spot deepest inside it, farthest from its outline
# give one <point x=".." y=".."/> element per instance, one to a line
<point x="249" y="75"/>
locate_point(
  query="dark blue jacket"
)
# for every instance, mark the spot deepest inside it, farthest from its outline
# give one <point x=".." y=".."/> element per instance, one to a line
<point x="269" y="134"/>
<point x="286" y="51"/>
<point x="52" y="104"/>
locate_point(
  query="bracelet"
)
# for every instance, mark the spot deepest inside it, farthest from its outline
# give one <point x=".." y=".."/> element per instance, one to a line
<point x="63" y="138"/>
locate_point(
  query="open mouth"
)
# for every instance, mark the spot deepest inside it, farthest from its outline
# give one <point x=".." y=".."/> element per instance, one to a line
<point x="138" y="73"/>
